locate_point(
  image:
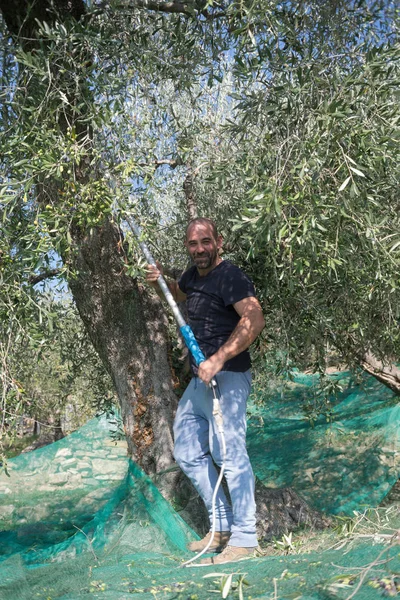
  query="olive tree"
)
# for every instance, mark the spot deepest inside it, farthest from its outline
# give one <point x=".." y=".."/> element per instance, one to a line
<point x="102" y="101"/>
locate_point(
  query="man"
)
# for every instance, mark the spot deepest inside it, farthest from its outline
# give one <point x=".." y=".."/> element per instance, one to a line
<point x="226" y="318"/>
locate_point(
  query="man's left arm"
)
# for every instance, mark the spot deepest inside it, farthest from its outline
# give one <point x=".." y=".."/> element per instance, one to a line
<point x="250" y="325"/>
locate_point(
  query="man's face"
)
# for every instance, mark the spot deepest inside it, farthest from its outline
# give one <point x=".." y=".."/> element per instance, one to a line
<point x="202" y="246"/>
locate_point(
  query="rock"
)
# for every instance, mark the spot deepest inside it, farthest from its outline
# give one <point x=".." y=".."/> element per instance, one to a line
<point x="86" y="454"/>
<point x="63" y="452"/>
<point x="83" y="464"/>
<point x="59" y="479"/>
<point x="86" y="474"/>
<point x="91" y="481"/>
<point x="104" y="467"/>
<point x="389" y="450"/>
<point x="74" y="479"/>
<point x="70" y="462"/>
<point x="99" y="494"/>
<point x="111" y="477"/>
<point x="34" y="514"/>
<point x="119" y="444"/>
<point x="117" y="454"/>
<point x="6" y="511"/>
<point x="46" y="487"/>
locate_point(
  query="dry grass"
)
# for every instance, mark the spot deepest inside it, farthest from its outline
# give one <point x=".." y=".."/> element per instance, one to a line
<point x="378" y="524"/>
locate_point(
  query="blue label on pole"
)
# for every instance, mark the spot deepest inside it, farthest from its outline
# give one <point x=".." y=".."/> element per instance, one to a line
<point x="192" y="344"/>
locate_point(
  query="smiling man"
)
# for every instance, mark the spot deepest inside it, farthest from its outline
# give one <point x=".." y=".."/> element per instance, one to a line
<point x="225" y="317"/>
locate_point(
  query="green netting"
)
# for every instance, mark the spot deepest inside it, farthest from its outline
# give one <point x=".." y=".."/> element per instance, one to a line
<point x="80" y="521"/>
<point x="347" y="464"/>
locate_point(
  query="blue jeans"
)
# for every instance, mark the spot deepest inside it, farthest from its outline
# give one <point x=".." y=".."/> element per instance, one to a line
<point x="197" y="445"/>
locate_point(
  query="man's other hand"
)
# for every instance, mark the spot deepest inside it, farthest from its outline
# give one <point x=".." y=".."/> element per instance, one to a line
<point x="153" y="273"/>
<point x="209" y="368"/>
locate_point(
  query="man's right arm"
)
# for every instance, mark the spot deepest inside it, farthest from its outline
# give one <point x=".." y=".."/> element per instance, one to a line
<point x="152" y="275"/>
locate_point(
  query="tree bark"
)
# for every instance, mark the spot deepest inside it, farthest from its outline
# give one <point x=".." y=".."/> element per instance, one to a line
<point x="389" y="375"/>
<point x="190" y="198"/>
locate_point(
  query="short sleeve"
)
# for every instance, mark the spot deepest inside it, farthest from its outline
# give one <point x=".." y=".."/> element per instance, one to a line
<point x="235" y="286"/>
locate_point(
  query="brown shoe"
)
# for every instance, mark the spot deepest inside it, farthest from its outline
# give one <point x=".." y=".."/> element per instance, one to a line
<point x="231" y="554"/>
<point x="221" y="538"/>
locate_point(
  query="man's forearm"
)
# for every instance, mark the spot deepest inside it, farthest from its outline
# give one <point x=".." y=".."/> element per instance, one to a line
<point x="241" y="338"/>
<point x="249" y="326"/>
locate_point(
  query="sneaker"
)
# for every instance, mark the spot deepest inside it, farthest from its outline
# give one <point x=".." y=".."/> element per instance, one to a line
<point x="231" y="554"/>
<point x="221" y="538"/>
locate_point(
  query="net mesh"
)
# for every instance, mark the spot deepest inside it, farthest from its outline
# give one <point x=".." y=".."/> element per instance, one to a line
<point x="80" y="520"/>
<point x="347" y="463"/>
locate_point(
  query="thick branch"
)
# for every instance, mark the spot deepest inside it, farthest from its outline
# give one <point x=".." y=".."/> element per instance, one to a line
<point x="34" y="279"/>
<point x="171" y="162"/>
<point x="388" y="375"/>
<point x="188" y="189"/>
<point x="185" y="8"/>
<point x="22" y="16"/>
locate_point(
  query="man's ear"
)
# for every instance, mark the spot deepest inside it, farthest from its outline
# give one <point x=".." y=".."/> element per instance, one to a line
<point x="220" y="241"/>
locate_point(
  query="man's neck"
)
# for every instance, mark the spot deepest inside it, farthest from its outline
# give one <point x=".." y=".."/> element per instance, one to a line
<point x="204" y="272"/>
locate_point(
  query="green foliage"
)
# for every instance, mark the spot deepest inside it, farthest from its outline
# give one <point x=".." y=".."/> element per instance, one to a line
<point x="50" y="371"/>
<point x="229" y="583"/>
<point x="287" y="545"/>
<point x="318" y="133"/>
<point x="285" y="115"/>
<point x="320" y="403"/>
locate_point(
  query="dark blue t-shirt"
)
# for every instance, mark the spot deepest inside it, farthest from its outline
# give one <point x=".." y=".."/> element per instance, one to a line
<point x="211" y="314"/>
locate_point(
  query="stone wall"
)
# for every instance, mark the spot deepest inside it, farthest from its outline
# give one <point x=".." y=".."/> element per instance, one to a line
<point x="82" y="470"/>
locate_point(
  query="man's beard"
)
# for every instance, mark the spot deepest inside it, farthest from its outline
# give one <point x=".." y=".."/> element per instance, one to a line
<point x="206" y="260"/>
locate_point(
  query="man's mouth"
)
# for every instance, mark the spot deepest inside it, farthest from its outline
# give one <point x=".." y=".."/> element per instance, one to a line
<point x="203" y="257"/>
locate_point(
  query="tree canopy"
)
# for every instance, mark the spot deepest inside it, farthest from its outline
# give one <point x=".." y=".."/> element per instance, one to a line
<point x="278" y="119"/>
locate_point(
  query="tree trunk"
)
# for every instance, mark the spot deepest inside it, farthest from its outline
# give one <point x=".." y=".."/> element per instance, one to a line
<point x="128" y="329"/>
<point x="279" y="511"/>
<point x="389" y="375"/>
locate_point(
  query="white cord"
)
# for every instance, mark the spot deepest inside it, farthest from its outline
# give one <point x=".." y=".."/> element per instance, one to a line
<point x="217" y="414"/>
